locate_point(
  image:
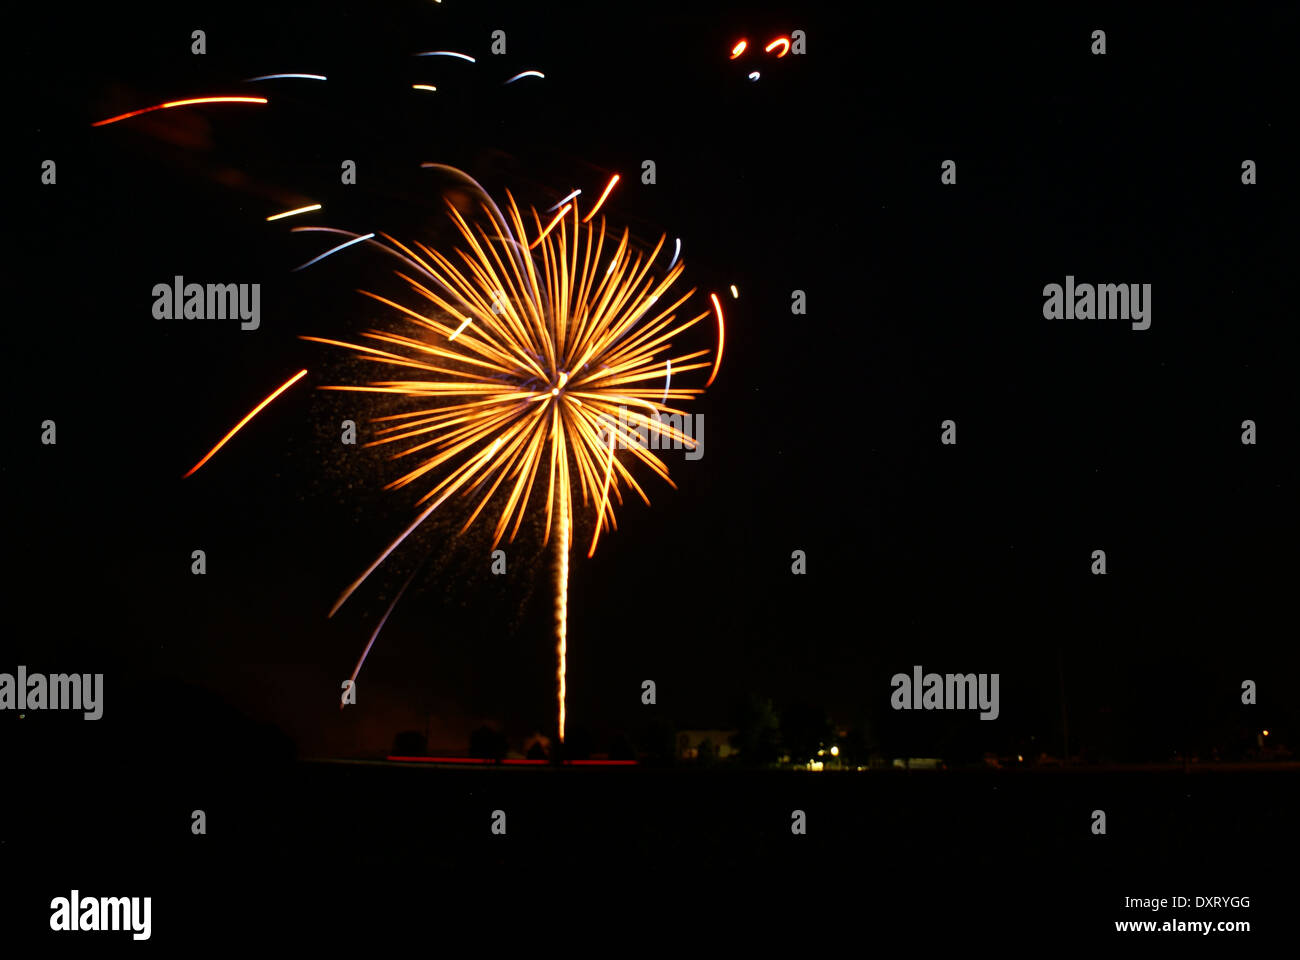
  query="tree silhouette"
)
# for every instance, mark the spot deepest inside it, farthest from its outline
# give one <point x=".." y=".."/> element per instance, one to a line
<point x="487" y="744"/>
<point x="854" y="748"/>
<point x="410" y="743"/>
<point x="758" y="732"/>
<point x="622" y="748"/>
<point x="577" y="745"/>
<point x="658" y="739"/>
<point x="804" y="730"/>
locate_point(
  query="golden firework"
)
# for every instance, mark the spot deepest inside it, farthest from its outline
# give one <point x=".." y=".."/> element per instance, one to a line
<point x="527" y="363"/>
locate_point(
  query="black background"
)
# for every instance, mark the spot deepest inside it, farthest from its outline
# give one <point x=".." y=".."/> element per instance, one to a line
<point x="822" y="431"/>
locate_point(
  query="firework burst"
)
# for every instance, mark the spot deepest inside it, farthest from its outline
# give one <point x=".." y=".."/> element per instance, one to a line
<point x="525" y="367"/>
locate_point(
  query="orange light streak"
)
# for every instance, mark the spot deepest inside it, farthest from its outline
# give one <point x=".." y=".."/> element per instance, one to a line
<point x="251" y="414"/>
<point x="604" y="497"/>
<point x="179" y="103"/>
<point x="722" y="336"/>
<point x="608" y="187"/>
<point x="777" y="42"/>
<point x="551" y="226"/>
<point x="290" y="213"/>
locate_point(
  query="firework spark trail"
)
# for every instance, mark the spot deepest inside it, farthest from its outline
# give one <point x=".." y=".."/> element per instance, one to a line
<point x="290" y="213"/>
<point x="368" y="238"/>
<point x="382" y="620"/>
<point x="608" y="187"/>
<point x="341" y="246"/>
<point x="551" y="226"/>
<point x="604" y="496"/>
<point x="526" y="355"/>
<point x="722" y="334"/>
<point x="287" y="76"/>
<point x="496" y="211"/>
<point x="446" y="53"/>
<point x="392" y="546"/>
<point x="249" y="416"/>
<point x="179" y="103"/>
<point x="563" y="200"/>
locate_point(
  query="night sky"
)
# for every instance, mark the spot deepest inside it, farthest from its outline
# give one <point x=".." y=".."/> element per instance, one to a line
<point x="924" y="302"/>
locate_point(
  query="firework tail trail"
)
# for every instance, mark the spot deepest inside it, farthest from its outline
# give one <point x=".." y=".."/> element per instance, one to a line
<point x="560" y="476"/>
<point x="562" y="603"/>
